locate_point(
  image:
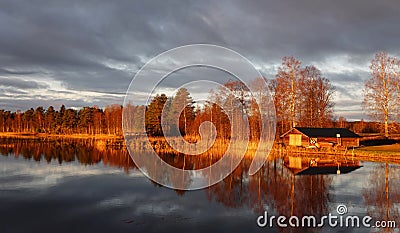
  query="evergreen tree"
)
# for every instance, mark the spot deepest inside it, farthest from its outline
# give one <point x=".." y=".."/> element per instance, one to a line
<point x="181" y="112"/>
<point x="153" y="115"/>
<point x="50" y="119"/>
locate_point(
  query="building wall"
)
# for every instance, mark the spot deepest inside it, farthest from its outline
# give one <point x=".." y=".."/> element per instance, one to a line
<point x="305" y="141"/>
<point x="346" y="142"/>
<point x="349" y="142"/>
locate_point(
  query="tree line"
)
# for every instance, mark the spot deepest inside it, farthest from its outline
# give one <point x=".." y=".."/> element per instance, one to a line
<point x="302" y="97"/>
<point x="87" y="120"/>
<point x="301" y="94"/>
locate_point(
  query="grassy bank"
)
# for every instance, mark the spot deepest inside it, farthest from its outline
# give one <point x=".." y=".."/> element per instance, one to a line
<point x="380" y="153"/>
<point x="394" y="148"/>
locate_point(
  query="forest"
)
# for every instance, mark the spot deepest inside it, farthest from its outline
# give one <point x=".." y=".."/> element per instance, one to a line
<point x="88" y="120"/>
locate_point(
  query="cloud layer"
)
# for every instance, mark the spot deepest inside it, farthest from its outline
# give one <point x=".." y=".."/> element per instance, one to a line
<point x="86" y="53"/>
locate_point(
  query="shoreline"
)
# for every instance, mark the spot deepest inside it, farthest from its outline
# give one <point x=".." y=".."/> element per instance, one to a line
<point x="385" y="153"/>
<point x="25" y="135"/>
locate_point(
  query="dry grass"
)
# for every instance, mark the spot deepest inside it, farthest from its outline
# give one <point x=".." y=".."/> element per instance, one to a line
<point x="219" y="148"/>
<point x="45" y="135"/>
<point x="384" y="148"/>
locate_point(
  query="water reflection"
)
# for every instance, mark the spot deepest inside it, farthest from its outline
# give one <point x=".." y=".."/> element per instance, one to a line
<point x="371" y="189"/>
<point x="84" y="151"/>
<point x="300" y="165"/>
<point x="382" y="195"/>
<point x="276" y="190"/>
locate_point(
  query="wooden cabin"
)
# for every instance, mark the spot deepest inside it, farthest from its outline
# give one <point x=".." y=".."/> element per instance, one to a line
<point x="320" y="137"/>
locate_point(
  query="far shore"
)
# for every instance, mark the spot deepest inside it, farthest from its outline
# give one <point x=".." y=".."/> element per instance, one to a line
<point x="382" y="153"/>
<point x="28" y="135"/>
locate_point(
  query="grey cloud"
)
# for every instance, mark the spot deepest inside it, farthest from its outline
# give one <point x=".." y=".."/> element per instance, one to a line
<point x="349" y="77"/>
<point x="20" y="83"/>
<point x="312" y="30"/>
<point x="21" y="103"/>
<point x="15" y="72"/>
<point x="99" y="45"/>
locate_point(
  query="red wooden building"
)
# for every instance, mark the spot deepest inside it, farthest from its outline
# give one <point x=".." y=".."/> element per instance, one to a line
<point x="320" y="137"/>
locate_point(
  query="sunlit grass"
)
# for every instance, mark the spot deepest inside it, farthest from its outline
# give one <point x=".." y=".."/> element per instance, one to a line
<point x="395" y="148"/>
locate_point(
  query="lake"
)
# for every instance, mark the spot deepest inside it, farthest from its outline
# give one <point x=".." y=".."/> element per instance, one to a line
<point x="84" y="186"/>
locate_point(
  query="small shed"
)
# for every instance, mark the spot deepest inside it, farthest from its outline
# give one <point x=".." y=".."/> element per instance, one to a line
<point x="320" y="137"/>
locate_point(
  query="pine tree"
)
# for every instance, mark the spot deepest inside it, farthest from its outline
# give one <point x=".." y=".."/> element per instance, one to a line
<point x="153" y="115"/>
<point x="181" y="112"/>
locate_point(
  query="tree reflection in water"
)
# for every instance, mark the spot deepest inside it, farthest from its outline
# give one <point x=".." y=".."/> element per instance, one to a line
<point x="382" y="195"/>
<point x="273" y="188"/>
<point x="276" y="190"/>
<point x="84" y="151"/>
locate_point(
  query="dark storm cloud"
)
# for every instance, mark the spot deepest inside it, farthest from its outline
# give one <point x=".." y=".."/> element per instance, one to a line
<point x="19" y="83"/>
<point x="314" y="30"/>
<point x="15" y="72"/>
<point x="100" y="45"/>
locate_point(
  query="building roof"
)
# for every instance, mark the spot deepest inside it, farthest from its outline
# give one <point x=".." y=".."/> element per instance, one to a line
<point x="325" y="132"/>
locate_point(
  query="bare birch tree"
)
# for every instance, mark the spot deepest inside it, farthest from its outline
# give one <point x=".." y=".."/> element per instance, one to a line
<point x="381" y="91"/>
<point x="303" y="97"/>
<point x="288" y="90"/>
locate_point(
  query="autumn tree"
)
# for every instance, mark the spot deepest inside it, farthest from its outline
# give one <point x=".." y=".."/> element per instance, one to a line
<point x="303" y="97"/>
<point x="98" y="120"/>
<point x="113" y="119"/>
<point x="381" y="91"/>
<point x="213" y="112"/>
<point x="69" y="121"/>
<point x="85" y="120"/>
<point x="231" y="106"/>
<point x="286" y="91"/>
<point x="59" y="119"/>
<point x="50" y="119"/>
<point x="316" y="98"/>
<point x="133" y="118"/>
<point x="29" y="120"/>
<point x="39" y="118"/>
<point x="2" y="120"/>
<point x="260" y="94"/>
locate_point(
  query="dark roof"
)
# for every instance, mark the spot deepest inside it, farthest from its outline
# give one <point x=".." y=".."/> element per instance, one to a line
<point x="326" y="132"/>
<point x="324" y="170"/>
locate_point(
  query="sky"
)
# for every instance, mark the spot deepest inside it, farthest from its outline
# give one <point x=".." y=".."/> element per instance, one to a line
<point x="85" y="53"/>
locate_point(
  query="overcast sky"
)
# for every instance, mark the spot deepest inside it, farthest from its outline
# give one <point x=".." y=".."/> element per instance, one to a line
<point x="86" y="53"/>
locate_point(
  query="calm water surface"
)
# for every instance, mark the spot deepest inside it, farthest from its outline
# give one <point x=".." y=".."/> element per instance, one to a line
<point x="81" y="186"/>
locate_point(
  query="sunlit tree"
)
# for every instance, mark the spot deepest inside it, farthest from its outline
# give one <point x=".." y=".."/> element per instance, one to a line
<point x="153" y="115"/>
<point x="316" y="98"/>
<point x="381" y="91"/>
<point x="287" y="89"/>
<point x="181" y="112"/>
